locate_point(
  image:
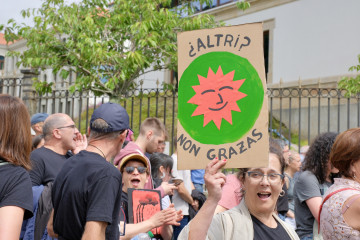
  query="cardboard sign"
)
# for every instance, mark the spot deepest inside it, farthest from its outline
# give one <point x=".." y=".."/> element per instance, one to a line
<point x="143" y="204"/>
<point x="222" y="102"/>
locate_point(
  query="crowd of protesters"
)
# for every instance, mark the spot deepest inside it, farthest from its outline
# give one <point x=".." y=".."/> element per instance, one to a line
<point x="64" y="185"/>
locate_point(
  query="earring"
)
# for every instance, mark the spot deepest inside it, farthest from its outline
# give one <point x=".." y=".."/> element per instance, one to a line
<point x="282" y="193"/>
<point x="163" y="175"/>
<point x="354" y="176"/>
<point x="242" y="191"/>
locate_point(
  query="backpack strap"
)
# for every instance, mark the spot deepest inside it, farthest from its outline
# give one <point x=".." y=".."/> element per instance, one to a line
<point x="327" y="197"/>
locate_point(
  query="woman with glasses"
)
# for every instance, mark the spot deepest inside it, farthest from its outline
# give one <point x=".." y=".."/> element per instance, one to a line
<point x="16" y="201"/>
<point x="311" y="185"/>
<point x="254" y="217"/>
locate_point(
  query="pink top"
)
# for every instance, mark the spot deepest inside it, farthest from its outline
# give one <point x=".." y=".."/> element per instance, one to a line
<point x="231" y="195"/>
<point x="332" y="222"/>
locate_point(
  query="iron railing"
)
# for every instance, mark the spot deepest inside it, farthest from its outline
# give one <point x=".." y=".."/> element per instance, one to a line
<point x="295" y="114"/>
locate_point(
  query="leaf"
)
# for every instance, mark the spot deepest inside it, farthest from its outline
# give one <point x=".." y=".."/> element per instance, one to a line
<point x="64" y="73"/>
<point x="243" y="5"/>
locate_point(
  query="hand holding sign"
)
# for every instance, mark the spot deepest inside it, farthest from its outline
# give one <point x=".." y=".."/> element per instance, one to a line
<point x="214" y="179"/>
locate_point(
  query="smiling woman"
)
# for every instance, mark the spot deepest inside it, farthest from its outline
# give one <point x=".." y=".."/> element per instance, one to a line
<point x="254" y="217"/>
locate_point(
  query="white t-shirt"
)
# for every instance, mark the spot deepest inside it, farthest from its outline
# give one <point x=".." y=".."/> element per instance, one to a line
<point x="184" y="175"/>
<point x="165" y="202"/>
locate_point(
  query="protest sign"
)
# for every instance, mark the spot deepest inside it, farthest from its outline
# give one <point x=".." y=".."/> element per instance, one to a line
<point x="222" y="102"/>
<point x="143" y="204"/>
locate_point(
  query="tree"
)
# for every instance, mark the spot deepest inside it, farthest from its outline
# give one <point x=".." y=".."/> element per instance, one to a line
<point x="351" y="84"/>
<point x="107" y="43"/>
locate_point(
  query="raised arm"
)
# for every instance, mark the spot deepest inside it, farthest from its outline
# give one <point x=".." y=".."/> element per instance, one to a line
<point x="163" y="218"/>
<point x="81" y="143"/>
<point x="214" y="180"/>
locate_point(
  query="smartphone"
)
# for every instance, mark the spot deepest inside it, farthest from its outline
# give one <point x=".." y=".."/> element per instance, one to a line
<point x="176" y="181"/>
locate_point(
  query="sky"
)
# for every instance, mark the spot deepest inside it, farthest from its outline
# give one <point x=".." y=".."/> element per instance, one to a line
<point x="12" y="9"/>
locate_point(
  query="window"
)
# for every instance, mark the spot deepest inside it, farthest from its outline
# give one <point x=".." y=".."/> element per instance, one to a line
<point x="2" y="62"/>
<point x="204" y="6"/>
<point x="266" y="52"/>
<point x="268" y="34"/>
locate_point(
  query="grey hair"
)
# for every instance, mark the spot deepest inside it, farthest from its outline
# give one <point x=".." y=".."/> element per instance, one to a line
<point x="281" y="143"/>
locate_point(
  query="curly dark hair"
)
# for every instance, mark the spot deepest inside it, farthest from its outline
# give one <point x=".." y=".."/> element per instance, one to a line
<point x="317" y="157"/>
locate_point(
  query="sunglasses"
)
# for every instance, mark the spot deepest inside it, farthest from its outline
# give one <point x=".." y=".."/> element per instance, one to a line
<point x="130" y="170"/>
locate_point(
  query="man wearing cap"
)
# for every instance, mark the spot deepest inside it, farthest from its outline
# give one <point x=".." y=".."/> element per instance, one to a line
<point x="135" y="171"/>
<point x="37" y="122"/>
<point x="152" y="133"/>
<point x="87" y="192"/>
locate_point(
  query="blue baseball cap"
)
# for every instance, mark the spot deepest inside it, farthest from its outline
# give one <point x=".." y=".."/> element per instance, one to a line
<point x="113" y="114"/>
<point x="38" y="117"/>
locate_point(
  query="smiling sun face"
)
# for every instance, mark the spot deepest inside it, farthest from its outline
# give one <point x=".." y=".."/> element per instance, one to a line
<point x="216" y="97"/>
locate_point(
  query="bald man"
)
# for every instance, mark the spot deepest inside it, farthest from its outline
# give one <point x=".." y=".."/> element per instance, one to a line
<point x="61" y="136"/>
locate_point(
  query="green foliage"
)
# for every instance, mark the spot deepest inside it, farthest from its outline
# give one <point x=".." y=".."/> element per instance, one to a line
<point x="285" y="131"/>
<point x="107" y="47"/>
<point x="42" y="87"/>
<point x="243" y="5"/>
<point x="351" y="84"/>
<point x="168" y="86"/>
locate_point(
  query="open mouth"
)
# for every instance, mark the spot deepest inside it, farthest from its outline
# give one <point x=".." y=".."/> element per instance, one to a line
<point x="264" y="196"/>
<point x="218" y="109"/>
<point x="135" y="182"/>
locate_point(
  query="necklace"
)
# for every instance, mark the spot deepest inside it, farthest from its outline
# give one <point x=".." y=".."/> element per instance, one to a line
<point x="97" y="149"/>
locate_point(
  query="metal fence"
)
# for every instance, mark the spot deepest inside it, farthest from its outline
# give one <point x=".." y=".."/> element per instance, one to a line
<point x="295" y="114"/>
<point x="300" y="114"/>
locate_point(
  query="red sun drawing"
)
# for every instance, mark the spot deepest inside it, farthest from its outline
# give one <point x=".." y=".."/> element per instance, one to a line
<point x="216" y="96"/>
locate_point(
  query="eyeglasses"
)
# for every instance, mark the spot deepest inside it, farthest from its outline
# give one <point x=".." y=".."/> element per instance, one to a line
<point x="259" y="176"/>
<point x="130" y="170"/>
<point x="70" y="126"/>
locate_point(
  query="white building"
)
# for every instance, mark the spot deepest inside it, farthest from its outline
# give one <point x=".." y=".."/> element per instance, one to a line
<point x="312" y="41"/>
<point x="315" y="41"/>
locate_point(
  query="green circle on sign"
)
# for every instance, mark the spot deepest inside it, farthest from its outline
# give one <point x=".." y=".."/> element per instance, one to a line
<point x="250" y="106"/>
